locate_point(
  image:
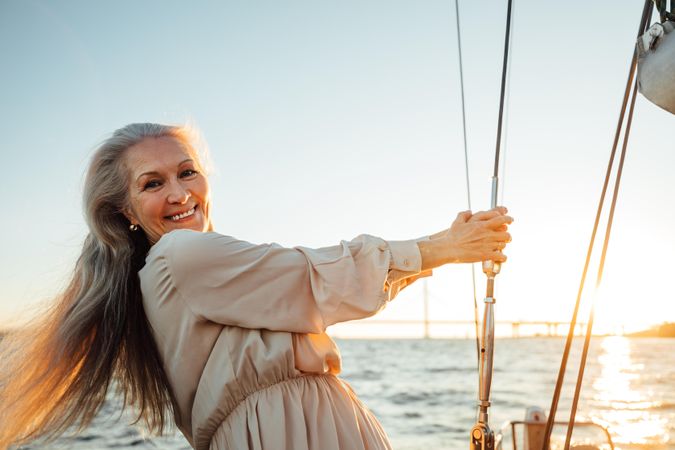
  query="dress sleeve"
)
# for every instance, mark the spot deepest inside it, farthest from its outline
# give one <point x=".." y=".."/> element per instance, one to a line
<point x="299" y="289"/>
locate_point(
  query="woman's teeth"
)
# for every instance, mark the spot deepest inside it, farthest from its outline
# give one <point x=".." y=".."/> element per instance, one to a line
<point x="183" y="215"/>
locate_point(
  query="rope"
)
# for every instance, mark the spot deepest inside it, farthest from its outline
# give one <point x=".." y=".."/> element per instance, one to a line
<point x="570" y="335"/>
<point x="466" y="171"/>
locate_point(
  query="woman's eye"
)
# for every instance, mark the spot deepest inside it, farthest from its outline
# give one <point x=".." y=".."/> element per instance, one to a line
<point x="151" y="184"/>
<point x="188" y="173"/>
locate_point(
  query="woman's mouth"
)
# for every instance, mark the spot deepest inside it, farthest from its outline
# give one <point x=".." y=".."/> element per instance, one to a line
<point x="183" y="215"/>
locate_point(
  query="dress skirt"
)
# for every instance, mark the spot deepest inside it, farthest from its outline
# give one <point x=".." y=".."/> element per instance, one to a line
<point x="317" y="412"/>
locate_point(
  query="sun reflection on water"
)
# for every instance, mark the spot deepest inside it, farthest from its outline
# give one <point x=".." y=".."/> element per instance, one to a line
<point x="623" y="405"/>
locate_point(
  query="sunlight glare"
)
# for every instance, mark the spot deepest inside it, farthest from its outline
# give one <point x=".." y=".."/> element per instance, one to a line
<point x="626" y="407"/>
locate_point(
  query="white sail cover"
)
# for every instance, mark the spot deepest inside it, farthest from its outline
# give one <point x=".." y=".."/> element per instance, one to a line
<point x="656" y="65"/>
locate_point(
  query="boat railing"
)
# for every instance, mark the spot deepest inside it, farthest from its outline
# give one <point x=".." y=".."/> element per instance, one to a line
<point x="523" y="435"/>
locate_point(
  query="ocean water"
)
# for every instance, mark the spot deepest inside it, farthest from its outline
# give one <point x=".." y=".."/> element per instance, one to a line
<point x="424" y="391"/>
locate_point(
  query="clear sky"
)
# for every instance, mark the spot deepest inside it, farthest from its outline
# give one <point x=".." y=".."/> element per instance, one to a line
<point x="331" y="119"/>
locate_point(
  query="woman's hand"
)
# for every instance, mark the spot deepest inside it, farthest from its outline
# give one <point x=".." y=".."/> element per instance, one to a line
<point x="470" y="238"/>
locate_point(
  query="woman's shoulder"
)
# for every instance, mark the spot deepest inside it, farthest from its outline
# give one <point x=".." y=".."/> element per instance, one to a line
<point x="181" y="254"/>
<point x="177" y="237"/>
<point x="183" y="243"/>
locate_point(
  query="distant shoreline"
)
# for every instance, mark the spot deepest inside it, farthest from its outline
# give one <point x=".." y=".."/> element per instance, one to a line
<point x="665" y="330"/>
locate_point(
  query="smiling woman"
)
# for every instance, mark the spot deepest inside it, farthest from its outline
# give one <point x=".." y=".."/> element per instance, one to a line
<point x="96" y="331"/>
<point x="226" y="336"/>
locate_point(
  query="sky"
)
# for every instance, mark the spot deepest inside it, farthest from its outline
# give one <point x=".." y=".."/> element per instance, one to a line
<point x="326" y="120"/>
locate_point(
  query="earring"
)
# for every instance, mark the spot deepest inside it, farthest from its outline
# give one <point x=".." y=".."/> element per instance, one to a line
<point x="133" y="227"/>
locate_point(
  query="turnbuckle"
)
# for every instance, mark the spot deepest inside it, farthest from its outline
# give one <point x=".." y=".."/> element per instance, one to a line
<point x="482" y="437"/>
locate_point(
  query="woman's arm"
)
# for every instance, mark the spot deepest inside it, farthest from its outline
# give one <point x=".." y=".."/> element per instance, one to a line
<point x="233" y="282"/>
<point x="299" y="289"/>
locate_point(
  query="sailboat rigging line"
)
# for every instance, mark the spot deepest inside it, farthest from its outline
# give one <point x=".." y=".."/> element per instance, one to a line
<point x="482" y="436"/>
<point x="601" y="266"/>
<point x="646" y="14"/>
<point x="461" y="84"/>
<point x="506" y="119"/>
<point x="466" y="171"/>
<point x="495" y="173"/>
<point x="573" y="322"/>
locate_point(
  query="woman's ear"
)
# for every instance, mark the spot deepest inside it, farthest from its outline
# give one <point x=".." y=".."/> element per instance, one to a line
<point x="131" y="217"/>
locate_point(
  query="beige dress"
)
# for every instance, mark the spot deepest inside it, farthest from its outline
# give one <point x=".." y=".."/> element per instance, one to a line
<point x="240" y="329"/>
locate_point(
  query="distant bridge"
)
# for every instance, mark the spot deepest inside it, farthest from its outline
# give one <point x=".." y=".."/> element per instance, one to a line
<point x="552" y="328"/>
<point x="549" y="327"/>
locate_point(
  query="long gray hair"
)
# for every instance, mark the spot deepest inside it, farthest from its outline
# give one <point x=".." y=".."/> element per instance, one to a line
<point x="56" y="372"/>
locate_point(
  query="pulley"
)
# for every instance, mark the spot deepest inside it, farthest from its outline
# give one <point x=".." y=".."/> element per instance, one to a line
<point x="656" y="65"/>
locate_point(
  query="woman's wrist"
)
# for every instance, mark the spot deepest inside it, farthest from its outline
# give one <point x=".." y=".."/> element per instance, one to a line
<point x="430" y="254"/>
<point x="437" y="252"/>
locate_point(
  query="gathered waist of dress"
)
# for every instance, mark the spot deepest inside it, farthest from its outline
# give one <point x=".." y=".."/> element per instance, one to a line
<point x="281" y="395"/>
<point x="287" y="386"/>
<point x="313" y="412"/>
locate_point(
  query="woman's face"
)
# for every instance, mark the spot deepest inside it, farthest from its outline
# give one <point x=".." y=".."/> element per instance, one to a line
<point x="167" y="189"/>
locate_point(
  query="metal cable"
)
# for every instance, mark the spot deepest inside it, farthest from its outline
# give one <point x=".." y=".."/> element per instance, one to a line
<point x="570" y="335"/>
<point x="503" y="90"/>
<point x="466" y="171"/>
<point x="589" y="329"/>
<point x="506" y="122"/>
<point x="481" y="435"/>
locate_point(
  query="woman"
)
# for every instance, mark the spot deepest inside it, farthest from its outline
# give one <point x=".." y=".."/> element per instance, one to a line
<point x="226" y="336"/>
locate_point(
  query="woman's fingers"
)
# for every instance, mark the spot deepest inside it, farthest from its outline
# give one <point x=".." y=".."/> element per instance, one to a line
<point x="499" y="221"/>
<point x="498" y="246"/>
<point x="463" y="217"/>
<point x="497" y="256"/>
<point x="485" y="215"/>
<point x="501" y="236"/>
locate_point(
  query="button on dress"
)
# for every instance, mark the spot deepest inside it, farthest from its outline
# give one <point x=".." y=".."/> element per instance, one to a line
<point x="241" y="329"/>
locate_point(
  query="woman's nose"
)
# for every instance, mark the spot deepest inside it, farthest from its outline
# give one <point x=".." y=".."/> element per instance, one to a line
<point x="178" y="194"/>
